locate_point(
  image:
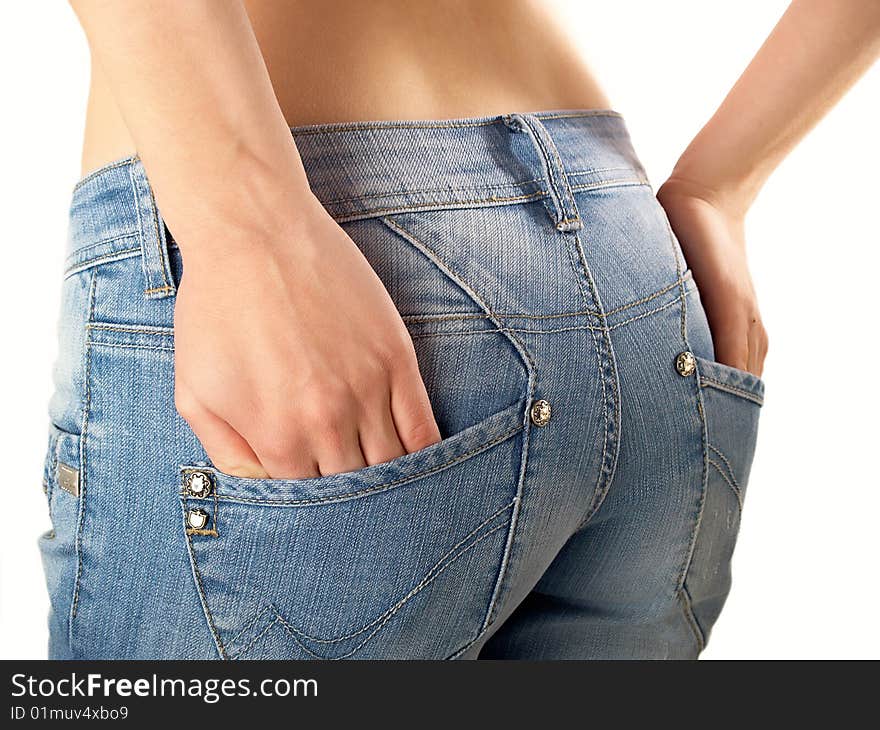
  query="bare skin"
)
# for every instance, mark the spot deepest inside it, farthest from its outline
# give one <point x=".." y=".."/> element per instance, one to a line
<point x="350" y="60"/>
<point x="204" y="92"/>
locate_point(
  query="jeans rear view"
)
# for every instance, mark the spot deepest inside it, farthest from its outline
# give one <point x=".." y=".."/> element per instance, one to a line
<point x="583" y="502"/>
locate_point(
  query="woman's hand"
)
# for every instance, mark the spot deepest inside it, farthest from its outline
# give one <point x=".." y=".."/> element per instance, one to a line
<point x="713" y="242"/>
<point x="291" y="360"/>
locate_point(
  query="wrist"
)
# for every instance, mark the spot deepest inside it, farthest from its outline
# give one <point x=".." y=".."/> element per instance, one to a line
<point x="729" y="187"/>
<point x="244" y="195"/>
<point x="683" y="184"/>
<point x="233" y="242"/>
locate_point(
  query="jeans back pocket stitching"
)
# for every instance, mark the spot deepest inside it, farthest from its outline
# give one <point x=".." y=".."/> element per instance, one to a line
<point x="424" y="584"/>
<point x="729" y="483"/>
<point x="730" y="472"/>
<point x="78" y="547"/>
<point x="708" y="382"/>
<point x="200" y="587"/>
<point x="445" y="561"/>
<point x="318" y="501"/>
<point x="531" y="372"/>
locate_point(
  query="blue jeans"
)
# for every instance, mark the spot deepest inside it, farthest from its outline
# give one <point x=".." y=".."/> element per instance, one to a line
<point x="583" y="503"/>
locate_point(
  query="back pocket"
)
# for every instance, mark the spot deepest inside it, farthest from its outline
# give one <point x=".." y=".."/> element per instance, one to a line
<point x="732" y="401"/>
<point x="397" y="560"/>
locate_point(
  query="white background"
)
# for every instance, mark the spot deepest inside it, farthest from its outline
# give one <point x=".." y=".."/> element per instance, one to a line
<point x="806" y="570"/>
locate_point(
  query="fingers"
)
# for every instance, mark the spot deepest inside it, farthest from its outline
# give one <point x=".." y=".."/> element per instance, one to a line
<point x="743" y="347"/>
<point x="398" y="421"/>
<point x="226" y="449"/>
<point x="411" y="410"/>
<point x="757" y="348"/>
<point x="378" y="436"/>
<point x="338" y="449"/>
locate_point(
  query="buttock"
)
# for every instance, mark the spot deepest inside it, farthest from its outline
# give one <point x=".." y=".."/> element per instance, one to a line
<point x="519" y="265"/>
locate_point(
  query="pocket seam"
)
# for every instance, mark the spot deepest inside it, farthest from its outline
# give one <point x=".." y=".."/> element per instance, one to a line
<point x="388" y="614"/>
<point x="730" y="476"/>
<point x="729" y="483"/>
<point x="362" y="492"/>
<point x="726" y="378"/>
<point x="707" y="382"/>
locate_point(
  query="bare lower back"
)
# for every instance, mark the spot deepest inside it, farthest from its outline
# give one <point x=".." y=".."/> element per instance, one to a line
<point x="348" y="60"/>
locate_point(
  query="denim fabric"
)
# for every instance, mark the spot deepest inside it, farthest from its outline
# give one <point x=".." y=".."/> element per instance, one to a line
<point x="531" y="262"/>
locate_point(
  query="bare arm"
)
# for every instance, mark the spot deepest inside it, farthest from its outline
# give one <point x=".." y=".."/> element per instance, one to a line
<point x="311" y="369"/>
<point x="815" y="53"/>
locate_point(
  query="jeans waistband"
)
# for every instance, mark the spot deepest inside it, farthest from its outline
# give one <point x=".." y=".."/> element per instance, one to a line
<point x="362" y="170"/>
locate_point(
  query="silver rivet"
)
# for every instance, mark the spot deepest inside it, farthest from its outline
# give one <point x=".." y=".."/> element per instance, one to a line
<point x="540" y="413"/>
<point x="197" y="519"/>
<point x="198" y="483"/>
<point x="685" y="364"/>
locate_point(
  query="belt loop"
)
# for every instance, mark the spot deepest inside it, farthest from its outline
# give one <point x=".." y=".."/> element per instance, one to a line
<point x="564" y="211"/>
<point x="153" y="239"/>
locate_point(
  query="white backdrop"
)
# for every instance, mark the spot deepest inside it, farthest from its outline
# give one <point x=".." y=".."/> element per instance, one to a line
<point x="806" y="576"/>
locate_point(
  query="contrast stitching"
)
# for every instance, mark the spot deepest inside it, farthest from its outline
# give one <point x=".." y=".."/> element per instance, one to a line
<point x="596" y="170"/>
<point x="80" y="250"/>
<point x="496" y="330"/>
<point x="580" y="284"/>
<point x="704" y="429"/>
<point x="200" y="586"/>
<point x="660" y="292"/>
<point x="617" y="183"/>
<point x="376" y="630"/>
<point x="83" y="460"/>
<point x="159" y="331"/>
<point x="460" y="282"/>
<point x="105" y="168"/>
<point x="708" y="382"/>
<point x="379" y="487"/>
<point x="578" y="115"/>
<point x="605" y="478"/>
<point x="445" y="559"/>
<point x="450" y="124"/>
<point x="560" y="204"/>
<point x="645" y="314"/>
<point x="422" y="191"/>
<point x="376" y="212"/>
<point x="461" y="650"/>
<point x="729" y="467"/>
<point x="115" y="256"/>
<point x="687" y="276"/>
<point x="569" y="201"/>
<point x="730" y="484"/>
<point x="149" y="348"/>
<point x="162" y="254"/>
<point x="687" y="607"/>
<point x="426" y="335"/>
<point x="368" y="126"/>
<point x="530" y="387"/>
<point x="451" y="316"/>
<point x="261" y="635"/>
<point x="249" y="625"/>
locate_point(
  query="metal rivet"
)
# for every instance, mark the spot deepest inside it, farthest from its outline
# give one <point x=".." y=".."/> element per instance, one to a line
<point x="197" y="519"/>
<point x="198" y="483"/>
<point x="540" y="413"/>
<point x="685" y="364"/>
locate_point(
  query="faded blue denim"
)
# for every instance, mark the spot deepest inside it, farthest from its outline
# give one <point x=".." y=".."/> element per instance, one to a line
<point x="531" y="262"/>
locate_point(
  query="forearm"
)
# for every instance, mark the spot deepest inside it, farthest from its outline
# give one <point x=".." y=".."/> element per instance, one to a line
<point x="816" y="52"/>
<point x="192" y="86"/>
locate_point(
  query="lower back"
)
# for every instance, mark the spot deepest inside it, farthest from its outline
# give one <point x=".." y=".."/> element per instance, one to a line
<point x="346" y="60"/>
